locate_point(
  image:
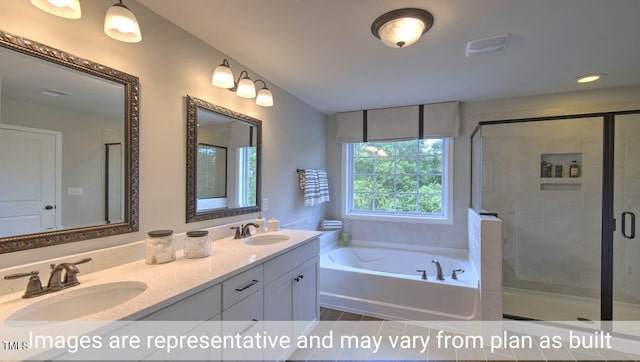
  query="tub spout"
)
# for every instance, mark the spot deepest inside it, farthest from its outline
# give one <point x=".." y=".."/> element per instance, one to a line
<point x="440" y="276"/>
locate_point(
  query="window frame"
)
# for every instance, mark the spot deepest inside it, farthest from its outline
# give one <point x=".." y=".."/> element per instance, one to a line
<point x="447" y="185"/>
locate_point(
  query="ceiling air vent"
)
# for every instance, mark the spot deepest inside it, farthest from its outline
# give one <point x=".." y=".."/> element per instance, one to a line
<point x="487" y="45"/>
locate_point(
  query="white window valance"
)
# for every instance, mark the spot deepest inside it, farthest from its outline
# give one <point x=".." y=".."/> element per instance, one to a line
<point x="392" y="124"/>
<point x="438" y="120"/>
<point x="349" y="127"/>
<point x="441" y="120"/>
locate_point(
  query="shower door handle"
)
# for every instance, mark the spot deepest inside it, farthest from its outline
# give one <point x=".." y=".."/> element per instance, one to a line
<point x="632" y="218"/>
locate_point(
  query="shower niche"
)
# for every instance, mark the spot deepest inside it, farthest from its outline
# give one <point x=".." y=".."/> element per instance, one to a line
<point x="555" y="172"/>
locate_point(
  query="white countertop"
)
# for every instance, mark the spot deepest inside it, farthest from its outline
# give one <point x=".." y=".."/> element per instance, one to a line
<point x="170" y="282"/>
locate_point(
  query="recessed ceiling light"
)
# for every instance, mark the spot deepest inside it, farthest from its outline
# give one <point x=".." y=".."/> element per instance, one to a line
<point x="589" y="78"/>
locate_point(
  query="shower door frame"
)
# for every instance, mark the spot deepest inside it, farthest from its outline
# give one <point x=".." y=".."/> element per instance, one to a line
<point x="608" y="217"/>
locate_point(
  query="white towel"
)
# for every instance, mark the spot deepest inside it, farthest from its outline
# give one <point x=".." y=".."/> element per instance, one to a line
<point x="315" y="186"/>
<point x="330" y="225"/>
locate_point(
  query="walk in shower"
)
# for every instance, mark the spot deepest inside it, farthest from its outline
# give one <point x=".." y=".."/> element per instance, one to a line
<point x="567" y="190"/>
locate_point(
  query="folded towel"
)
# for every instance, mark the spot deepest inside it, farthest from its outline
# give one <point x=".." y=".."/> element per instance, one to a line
<point x="315" y="186"/>
<point x="330" y="225"/>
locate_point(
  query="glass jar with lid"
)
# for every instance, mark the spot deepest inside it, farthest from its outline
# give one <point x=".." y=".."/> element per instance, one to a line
<point x="197" y="244"/>
<point x="160" y="247"/>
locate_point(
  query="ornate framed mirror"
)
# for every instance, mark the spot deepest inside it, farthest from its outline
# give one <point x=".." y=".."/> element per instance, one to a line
<point x="223" y="161"/>
<point x="63" y="178"/>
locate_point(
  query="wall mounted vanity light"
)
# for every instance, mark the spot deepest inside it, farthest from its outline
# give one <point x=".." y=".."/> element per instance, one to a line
<point x="119" y="23"/>
<point x="244" y="86"/>
<point x="69" y="9"/>
<point x="402" y="27"/>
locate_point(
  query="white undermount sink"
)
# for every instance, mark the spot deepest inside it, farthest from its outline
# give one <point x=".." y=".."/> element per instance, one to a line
<point x="75" y="303"/>
<point x="266" y="239"/>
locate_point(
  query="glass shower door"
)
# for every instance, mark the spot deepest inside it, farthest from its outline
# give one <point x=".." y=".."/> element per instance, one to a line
<point x="551" y="219"/>
<point x="626" y="210"/>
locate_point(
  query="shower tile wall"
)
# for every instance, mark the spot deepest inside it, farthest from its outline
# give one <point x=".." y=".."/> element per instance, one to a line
<point x="551" y="238"/>
<point x="485" y="233"/>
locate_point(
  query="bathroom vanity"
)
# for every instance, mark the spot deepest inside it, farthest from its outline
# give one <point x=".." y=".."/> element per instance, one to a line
<point x="240" y="281"/>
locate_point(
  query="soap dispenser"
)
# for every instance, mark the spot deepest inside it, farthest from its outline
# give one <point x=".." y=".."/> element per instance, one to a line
<point x="345" y="233"/>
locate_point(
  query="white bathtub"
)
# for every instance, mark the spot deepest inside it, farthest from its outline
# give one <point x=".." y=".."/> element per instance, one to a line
<point x="380" y="279"/>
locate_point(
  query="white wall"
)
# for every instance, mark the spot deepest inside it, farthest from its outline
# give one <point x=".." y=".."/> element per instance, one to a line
<point x="82" y="154"/>
<point x="171" y="64"/>
<point x="455" y="236"/>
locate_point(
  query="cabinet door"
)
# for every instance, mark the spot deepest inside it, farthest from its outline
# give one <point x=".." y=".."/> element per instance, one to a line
<point x="278" y="299"/>
<point x="305" y="292"/>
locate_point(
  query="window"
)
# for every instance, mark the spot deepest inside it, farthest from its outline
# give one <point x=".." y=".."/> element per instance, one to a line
<point x="247" y="163"/>
<point x="401" y="181"/>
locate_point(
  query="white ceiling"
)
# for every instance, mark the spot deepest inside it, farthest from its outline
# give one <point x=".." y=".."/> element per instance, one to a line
<point x="323" y="52"/>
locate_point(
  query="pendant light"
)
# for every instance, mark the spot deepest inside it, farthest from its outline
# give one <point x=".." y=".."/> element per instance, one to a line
<point x="121" y="24"/>
<point x="402" y="27"/>
<point x="69" y="9"/>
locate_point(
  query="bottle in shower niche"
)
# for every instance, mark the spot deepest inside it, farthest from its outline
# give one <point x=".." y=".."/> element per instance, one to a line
<point x="345" y="233"/>
<point x="574" y="169"/>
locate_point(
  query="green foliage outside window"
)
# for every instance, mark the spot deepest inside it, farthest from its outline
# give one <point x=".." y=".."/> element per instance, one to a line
<point x="398" y="177"/>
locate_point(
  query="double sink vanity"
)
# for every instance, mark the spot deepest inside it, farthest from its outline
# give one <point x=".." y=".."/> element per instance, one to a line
<point x="271" y="276"/>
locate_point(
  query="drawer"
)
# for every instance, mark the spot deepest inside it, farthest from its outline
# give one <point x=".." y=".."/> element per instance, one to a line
<point x="248" y="309"/>
<point x="242" y="285"/>
<point x="201" y="306"/>
<point x="277" y="267"/>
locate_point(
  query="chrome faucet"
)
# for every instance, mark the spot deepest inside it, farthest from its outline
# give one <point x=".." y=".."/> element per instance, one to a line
<point x="440" y="276"/>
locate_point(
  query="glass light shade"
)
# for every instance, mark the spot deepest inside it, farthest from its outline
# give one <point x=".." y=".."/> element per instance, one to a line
<point x="246" y="88"/>
<point x="223" y="77"/>
<point x="264" y="98"/>
<point x="69" y="9"/>
<point x="400" y="33"/>
<point x="121" y="24"/>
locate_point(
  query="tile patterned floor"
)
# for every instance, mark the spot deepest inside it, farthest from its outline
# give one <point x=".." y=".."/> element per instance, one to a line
<point x="327" y="314"/>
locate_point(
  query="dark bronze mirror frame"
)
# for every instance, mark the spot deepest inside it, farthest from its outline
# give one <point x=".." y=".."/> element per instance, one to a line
<point x="192" y="153"/>
<point x="131" y="127"/>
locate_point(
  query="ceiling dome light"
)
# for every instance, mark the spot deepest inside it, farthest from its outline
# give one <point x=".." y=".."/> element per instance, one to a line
<point x="246" y="89"/>
<point x="69" y="9"/>
<point x="589" y="78"/>
<point x="402" y="27"/>
<point x="121" y="24"/>
<point x="223" y="76"/>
